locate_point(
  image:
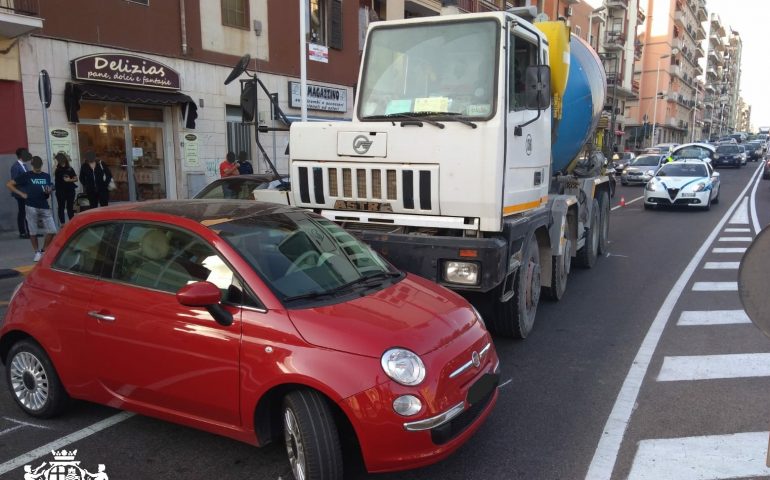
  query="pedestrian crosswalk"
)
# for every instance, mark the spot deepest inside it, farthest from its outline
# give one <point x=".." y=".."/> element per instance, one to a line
<point x="714" y="455"/>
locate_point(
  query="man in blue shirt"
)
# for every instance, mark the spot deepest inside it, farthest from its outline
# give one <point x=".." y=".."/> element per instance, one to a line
<point x="244" y="165"/>
<point x="35" y="187"/>
<point x="19" y="167"/>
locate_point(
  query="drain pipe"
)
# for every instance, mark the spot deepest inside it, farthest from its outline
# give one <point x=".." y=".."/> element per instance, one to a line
<point x="183" y="22"/>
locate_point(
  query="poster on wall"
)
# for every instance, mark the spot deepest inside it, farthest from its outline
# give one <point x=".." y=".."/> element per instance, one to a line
<point x="191" y="151"/>
<point x="318" y="53"/>
<point x="211" y="168"/>
<point x="319" y="97"/>
<point x="61" y="141"/>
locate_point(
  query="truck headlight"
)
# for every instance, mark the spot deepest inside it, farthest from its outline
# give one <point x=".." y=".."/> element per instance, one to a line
<point x="464" y="273"/>
<point x="403" y="366"/>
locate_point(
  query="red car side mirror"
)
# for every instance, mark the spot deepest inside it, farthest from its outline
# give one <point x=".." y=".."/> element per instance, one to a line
<point x="199" y="294"/>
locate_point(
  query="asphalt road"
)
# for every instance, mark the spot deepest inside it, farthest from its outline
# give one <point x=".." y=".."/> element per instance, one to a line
<point x="564" y="379"/>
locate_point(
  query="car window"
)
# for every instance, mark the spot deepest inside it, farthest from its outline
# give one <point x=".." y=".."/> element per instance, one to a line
<point x="90" y="251"/>
<point x="683" y="170"/>
<point x="692" y="152"/>
<point x="647" y="161"/>
<point x="240" y="189"/>
<point x="727" y="149"/>
<point x="164" y="258"/>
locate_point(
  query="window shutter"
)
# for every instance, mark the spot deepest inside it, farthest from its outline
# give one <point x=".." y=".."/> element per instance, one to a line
<point x="335" y="39"/>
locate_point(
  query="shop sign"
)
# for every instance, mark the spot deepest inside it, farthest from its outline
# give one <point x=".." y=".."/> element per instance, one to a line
<point x="125" y="69"/>
<point x="61" y="141"/>
<point x="191" y="151"/>
<point x="319" y="97"/>
<point x="318" y="53"/>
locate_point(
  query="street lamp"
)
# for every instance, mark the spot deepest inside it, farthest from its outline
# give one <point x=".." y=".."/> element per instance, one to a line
<point x="674" y="51"/>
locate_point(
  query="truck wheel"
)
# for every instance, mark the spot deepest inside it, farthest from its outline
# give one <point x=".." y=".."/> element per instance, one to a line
<point x="312" y="441"/>
<point x="516" y="317"/>
<point x="604" y="229"/>
<point x="559" y="273"/>
<point x="586" y="256"/>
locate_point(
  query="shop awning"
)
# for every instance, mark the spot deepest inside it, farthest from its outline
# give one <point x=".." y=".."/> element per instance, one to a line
<point x="75" y="92"/>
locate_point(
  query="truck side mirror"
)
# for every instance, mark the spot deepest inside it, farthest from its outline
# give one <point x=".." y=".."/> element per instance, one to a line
<point x="537" y="87"/>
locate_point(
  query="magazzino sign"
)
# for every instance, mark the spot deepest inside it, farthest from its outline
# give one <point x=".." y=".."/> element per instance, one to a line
<point x="320" y="97"/>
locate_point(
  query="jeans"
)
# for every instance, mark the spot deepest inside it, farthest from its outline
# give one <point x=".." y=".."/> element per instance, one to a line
<point x="65" y="199"/>
<point x="99" y="198"/>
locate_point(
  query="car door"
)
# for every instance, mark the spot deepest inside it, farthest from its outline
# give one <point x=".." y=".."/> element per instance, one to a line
<point x="149" y="351"/>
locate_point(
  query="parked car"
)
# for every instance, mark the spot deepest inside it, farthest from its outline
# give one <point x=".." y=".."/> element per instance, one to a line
<point x="253" y="321"/>
<point x="642" y="169"/>
<point x="690" y="183"/>
<point x="694" y="151"/>
<point x="241" y="187"/>
<point x="755" y="150"/>
<point x="728" y="155"/>
<point x="622" y="161"/>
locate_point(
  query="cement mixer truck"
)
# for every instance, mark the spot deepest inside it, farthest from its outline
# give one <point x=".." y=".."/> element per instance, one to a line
<point x="463" y="161"/>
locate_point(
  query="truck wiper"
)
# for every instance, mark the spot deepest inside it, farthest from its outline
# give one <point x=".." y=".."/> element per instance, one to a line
<point x="408" y="116"/>
<point x="365" y="280"/>
<point x="455" y="116"/>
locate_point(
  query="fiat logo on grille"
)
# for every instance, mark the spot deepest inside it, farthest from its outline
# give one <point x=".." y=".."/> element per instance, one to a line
<point x="476" y="359"/>
<point x="362" y="144"/>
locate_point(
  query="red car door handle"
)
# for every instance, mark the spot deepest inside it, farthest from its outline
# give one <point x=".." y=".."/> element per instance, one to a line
<point x="101" y="316"/>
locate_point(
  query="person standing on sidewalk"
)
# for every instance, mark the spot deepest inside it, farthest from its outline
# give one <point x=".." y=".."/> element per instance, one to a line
<point x="19" y="167"/>
<point x="95" y="178"/>
<point x="228" y="167"/>
<point x="244" y="165"/>
<point x="65" y="182"/>
<point x="35" y="188"/>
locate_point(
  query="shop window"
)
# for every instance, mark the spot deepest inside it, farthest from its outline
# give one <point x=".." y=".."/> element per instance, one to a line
<point x="235" y="13"/>
<point x="102" y="111"/>
<point x="238" y="133"/>
<point x="144" y="114"/>
<point x="324" y="22"/>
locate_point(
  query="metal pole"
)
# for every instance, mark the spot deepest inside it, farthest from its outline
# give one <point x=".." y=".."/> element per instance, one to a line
<point x="303" y="59"/>
<point x="46" y="135"/>
<point x="655" y="107"/>
<point x="694" y="111"/>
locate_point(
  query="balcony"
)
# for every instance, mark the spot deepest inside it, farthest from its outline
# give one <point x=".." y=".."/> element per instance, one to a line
<point x="679" y="18"/>
<point x="698" y="70"/>
<point x="678" y="43"/>
<point x="473" y="6"/>
<point x="635" y="86"/>
<point x="19" y="17"/>
<point x="615" y="40"/>
<point x="700" y="32"/>
<point x="675" y="71"/>
<point x="617" y="4"/>
<point x="638" y="50"/>
<point x="700" y="11"/>
<point x="640" y="16"/>
<point x="699" y="53"/>
<point x="710" y="88"/>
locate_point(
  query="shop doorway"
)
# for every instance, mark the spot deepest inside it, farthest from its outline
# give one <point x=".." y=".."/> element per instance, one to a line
<point x="130" y="141"/>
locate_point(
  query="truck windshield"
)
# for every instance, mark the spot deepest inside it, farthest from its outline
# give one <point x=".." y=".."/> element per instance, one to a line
<point x="444" y="69"/>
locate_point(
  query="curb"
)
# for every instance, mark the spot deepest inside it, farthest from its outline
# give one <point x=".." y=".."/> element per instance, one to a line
<point x="15" y="272"/>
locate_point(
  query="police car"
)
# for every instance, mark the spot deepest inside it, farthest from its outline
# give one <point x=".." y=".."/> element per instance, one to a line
<point x="687" y="183"/>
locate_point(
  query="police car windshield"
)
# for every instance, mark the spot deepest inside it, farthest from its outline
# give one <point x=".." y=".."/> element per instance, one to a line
<point x="683" y="170"/>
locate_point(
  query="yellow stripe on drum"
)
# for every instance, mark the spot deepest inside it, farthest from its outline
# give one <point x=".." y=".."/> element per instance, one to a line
<point x="511" y="209"/>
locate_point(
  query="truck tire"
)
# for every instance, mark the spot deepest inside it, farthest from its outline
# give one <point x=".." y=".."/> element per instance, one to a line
<point x="586" y="256"/>
<point x="560" y="267"/>
<point x="516" y="317"/>
<point x="604" y="224"/>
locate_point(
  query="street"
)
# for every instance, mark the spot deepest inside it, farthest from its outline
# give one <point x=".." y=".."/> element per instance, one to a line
<point x="684" y="384"/>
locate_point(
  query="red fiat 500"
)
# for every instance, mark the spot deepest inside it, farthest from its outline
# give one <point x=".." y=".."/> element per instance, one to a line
<point x="250" y="320"/>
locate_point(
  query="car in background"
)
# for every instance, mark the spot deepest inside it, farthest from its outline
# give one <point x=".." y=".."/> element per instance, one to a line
<point x="728" y="155"/>
<point x="694" y="151"/>
<point x="241" y="187"/>
<point x="727" y="139"/>
<point x="766" y="169"/>
<point x="661" y="148"/>
<point x="755" y="149"/>
<point x="642" y="169"/>
<point x="739" y="137"/>
<point x="744" y="156"/>
<point x="255" y="321"/>
<point x="688" y="183"/>
<point x="623" y="160"/>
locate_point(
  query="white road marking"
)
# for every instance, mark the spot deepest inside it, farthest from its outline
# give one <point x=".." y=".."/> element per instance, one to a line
<point x="722" y="265"/>
<point x="606" y="454"/>
<point x="730" y="250"/>
<point x="715" y="287"/>
<point x="9" y="430"/>
<point x="741" y="216"/>
<point x="505" y="383"/>
<point x="627" y="203"/>
<point x="27" y="424"/>
<point x="712" y="317"/>
<point x="735" y="239"/>
<point x="737" y="230"/>
<point x="739" y="455"/>
<point x="710" y="367"/>
<point x="62" y="442"/>
<point x="754" y="218"/>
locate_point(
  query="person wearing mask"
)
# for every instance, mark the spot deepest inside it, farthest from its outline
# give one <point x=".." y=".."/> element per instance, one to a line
<point x="228" y="167"/>
<point x="35" y="187"/>
<point x="95" y="178"/>
<point x="65" y="183"/>
<point x="244" y="165"/>
<point x="19" y="167"/>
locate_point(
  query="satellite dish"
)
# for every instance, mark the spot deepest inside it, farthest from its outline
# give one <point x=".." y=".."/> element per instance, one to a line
<point x="541" y="17"/>
<point x="753" y="287"/>
<point x="239" y="68"/>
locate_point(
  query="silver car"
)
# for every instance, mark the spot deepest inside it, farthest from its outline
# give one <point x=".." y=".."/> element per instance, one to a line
<point x="642" y="169"/>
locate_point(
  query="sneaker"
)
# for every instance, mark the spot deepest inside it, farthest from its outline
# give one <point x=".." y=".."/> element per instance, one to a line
<point x="38" y="256"/>
<point x="24" y="235"/>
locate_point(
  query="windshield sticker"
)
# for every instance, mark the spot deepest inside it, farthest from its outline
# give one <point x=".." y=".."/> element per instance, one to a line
<point x="431" y="104"/>
<point x="479" y="110"/>
<point x="399" y="106"/>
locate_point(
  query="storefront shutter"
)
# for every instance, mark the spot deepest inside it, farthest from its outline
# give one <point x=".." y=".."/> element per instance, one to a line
<point x="335" y="40"/>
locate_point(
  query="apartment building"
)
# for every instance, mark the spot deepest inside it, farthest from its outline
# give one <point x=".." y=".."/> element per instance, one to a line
<point x="667" y="71"/>
<point x="732" y="76"/>
<point x="743" y="117"/>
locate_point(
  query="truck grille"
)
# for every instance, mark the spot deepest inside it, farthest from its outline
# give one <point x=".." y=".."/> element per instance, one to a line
<point x="403" y="188"/>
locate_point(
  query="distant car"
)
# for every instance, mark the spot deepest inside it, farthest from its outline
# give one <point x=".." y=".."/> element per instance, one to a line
<point x="666" y="148"/>
<point x="739" y="137"/>
<point x="754" y="150"/>
<point x="642" y="169"/>
<point x="728" y="155"/>
<point x="744" y="156"/>
<point x="241" y="187"/>
<point x="623" y="160"/>
<point x="259" y="322"/>
<point x="727" y="140"/>
<point x="694" y="151"/>
<point x="689" y="183"/>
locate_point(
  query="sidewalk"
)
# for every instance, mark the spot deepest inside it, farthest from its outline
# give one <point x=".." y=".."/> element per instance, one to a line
<point x="15" y="255"/>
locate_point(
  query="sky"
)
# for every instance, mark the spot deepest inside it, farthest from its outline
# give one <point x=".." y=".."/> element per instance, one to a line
<point x="751" y="18"/>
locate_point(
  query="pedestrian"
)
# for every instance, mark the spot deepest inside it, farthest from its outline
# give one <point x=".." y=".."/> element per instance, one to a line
<point x="35" y="187"/>
<point x="228" y="167"/>
<point x="20" y="166"/>
<point x="95" y="177"/>
<point x="65" y="183"/>
<point x="244" y="165"/>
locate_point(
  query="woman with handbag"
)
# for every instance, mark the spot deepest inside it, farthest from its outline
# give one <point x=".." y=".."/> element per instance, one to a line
<point x="96" y="178"/>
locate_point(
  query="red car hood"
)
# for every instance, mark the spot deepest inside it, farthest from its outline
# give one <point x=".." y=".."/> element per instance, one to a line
<point x="414" y="314"/>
